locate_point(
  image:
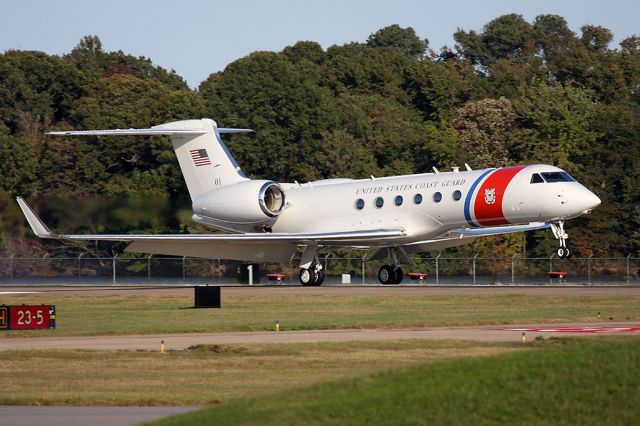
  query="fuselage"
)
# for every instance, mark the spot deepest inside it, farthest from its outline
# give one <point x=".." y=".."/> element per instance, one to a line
<point x="428" y="205"/>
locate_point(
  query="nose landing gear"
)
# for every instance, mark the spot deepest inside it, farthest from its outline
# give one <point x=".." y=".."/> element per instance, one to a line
<point x="558" y="231"/>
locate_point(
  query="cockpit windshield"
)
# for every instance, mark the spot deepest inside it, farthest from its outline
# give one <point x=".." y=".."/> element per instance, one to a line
<point x="536" y="178"/>
<point x="553" y="177"/>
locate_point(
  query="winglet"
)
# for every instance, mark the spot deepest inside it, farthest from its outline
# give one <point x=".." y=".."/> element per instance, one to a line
<point x="39" y="228"/>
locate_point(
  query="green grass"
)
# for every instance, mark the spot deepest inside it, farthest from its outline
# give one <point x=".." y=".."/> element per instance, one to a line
<point x="147" y="313"/>
<point x="589" y="383"/>
<point x="210" y="375"/>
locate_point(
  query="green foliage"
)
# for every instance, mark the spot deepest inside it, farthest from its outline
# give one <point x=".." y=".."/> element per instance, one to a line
<point x="95" y="63"/>
<point x="486" y="128"/>
<point x="18" y="159"/>
<point x="508" y="36"/>
<point x="404" y="39"/>
<point x="555" y="122"/>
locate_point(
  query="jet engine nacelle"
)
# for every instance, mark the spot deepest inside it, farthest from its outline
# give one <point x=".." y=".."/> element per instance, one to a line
<point x="248" y="202"/>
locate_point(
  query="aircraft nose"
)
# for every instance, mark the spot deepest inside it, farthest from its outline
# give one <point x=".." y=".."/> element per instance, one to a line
<point x="588" y="201"/>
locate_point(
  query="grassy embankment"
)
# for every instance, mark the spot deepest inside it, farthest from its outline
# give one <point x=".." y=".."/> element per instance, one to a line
<point x="148" y="313"/>
<point x="201" y="377"/>
<point x="590" y="383"/>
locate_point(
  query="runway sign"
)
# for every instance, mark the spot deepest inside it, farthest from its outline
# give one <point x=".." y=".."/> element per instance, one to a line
<point x="27" y="317"/>
<point x="580" y="329"/>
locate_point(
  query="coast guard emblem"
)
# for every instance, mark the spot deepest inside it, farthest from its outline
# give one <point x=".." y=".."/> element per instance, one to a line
<point x="490" y="195"/>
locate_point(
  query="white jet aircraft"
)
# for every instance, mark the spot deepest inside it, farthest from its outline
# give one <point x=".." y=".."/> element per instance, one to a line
<point x="393" y="216"/>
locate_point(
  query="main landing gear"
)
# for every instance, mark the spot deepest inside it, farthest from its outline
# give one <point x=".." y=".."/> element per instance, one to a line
<point x="311" y="272"/>
<point x="313" y="275"/>
<point x="391" y="274"/>
<point x="558" y="231"/>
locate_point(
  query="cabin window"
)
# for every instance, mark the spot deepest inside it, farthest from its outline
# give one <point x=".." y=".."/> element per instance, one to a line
<point x="553" y="177"/>
<point x="359" y="204"/>
<point x="398" y="200"/>
<point x="536" y="178"/>
<point x="457" y="195"/>
<point x="437" y="197"/>
<point x="379" y="202"/>
<point x="417" y="198"/>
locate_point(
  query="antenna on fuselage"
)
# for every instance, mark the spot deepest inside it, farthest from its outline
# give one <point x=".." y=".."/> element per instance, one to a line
<point x="435" y="170"/>
<point x="455" y="169"/>
<point x="466" y="166"/>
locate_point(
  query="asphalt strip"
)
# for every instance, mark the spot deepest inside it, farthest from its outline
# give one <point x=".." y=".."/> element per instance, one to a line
<point x="84" y="416"/>
<point x="496" y="333"/>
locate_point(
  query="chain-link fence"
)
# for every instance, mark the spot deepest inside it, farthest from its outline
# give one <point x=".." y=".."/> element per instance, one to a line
<point x="357" y="270"/>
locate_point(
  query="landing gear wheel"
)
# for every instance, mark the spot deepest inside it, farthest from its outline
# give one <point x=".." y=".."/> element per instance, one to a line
<point x="387" y="275"/>
<point x="319" y="278"/>
<point x="311" y="276"/>
<point x="563" y="252"/>
<point x="399" y="275"/>
<point x="308" y="277"/>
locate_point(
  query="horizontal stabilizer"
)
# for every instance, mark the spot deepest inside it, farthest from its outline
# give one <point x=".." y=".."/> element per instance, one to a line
<point x="124" y="132"/>
<point x="144" y="132"/>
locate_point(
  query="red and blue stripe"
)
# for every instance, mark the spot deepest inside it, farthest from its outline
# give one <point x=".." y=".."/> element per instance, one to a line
<point x="484" y="213"/>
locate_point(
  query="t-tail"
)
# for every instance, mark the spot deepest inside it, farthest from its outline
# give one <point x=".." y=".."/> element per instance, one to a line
<point x="204" y="159"/>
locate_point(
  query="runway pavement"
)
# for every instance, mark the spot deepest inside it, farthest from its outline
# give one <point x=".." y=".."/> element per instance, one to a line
<point x="501" y="333"/>
<point x="338" y="290"/>
<point x="84" y="416"/>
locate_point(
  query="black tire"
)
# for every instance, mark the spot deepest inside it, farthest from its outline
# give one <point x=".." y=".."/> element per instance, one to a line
<point x="399" y="275"/>
<point x="308" y="277"/>
<point x="387" y="275"/>
<point x="319" y="278"/>
<point x="563" y="252"/>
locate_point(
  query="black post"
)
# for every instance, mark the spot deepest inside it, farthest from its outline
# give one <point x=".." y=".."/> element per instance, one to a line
<point x="207" y="296"/>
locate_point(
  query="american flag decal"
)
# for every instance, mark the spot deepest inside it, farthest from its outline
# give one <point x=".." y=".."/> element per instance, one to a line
<point x="200" y="157"/>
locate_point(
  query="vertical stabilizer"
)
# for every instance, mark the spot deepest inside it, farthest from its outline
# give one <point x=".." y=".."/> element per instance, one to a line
<point x="205" y="162"/>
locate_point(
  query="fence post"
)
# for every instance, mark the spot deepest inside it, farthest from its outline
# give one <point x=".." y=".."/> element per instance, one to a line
<point x="79" y="265"/>
<point x="291" y="269"/>
<point x="628" y="271"/>
<point x="11" y="268"/>
<point x="551" y="267"/>
<point x="113" y="268"/>
<point x="474" y="268"/>
<point x="362" y="262"/>
<point x="513" y="269"/>
<point x="149" y="268"/>
<point x="589" y="269"/>
<point x="326" y="270"/>
<point x="438" y="269"/>
<point x="184" y="268"/>
<point x="42" y="267"/>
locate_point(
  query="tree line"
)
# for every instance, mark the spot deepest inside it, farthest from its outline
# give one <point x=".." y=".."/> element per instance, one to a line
<point x="515" y="92"/>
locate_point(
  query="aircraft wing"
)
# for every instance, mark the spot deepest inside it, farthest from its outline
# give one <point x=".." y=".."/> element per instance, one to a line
<point x="461" y="236"/>
<point x="496" y="230"/>
<point x="359" y="236"/>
